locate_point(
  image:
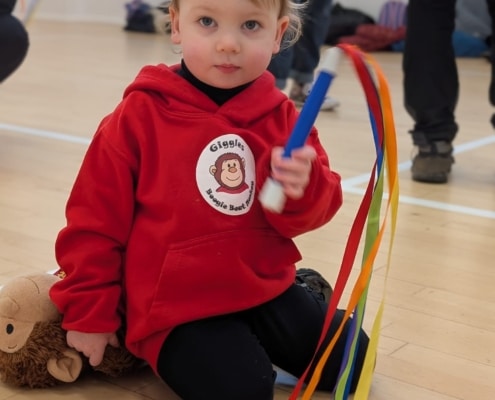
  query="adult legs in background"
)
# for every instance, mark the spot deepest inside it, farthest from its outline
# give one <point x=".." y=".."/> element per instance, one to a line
<point x="307" y="49"/>
<point x="280" y="66"/>
<point x="431" y="86"/>
<point x="301" y="60"/>
<point x="14" y="44"/>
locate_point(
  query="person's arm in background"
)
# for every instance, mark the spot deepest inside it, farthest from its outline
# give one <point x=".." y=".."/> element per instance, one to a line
<point x="14" y="40"/>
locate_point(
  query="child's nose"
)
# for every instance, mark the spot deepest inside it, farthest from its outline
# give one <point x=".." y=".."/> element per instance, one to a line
<point x="228" y="43"/>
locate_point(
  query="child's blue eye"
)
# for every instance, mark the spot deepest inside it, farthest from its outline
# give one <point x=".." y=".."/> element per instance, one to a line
<point x="251" y="25"/>
<point x="206" y="21"/>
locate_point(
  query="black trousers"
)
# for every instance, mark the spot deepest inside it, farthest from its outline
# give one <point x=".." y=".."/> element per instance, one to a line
<point x="300" y="60"/>
<point x="431" y="84"/>
<point x="232" y="356"/>
<point x="14" y="43"/>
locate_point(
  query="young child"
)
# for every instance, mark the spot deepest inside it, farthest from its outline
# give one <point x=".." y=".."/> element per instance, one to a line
<point x="165" y="234"/>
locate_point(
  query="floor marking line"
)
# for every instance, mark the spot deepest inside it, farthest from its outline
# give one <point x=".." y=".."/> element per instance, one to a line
<point x="349" y="185"/>
<point x="458" y="149"/>
<point x="45" y="134"/>
<point x="476" y="212"/>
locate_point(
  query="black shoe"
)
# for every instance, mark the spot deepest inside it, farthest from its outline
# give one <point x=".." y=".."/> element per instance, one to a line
<point x="314" y="283"/>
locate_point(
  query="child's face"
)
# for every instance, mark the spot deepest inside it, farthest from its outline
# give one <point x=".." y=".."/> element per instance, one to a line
<point x="227" y="43"/>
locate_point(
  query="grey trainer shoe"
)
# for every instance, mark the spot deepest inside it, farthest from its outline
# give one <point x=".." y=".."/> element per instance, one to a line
<point x="433" y="162"/>
<point x="313" y="282"/>
<point x="299" y="93"/>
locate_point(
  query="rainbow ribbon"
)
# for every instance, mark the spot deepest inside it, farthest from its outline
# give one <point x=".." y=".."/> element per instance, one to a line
<point x="384" y="171"/>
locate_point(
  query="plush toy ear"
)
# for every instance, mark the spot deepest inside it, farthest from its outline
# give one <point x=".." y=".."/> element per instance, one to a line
<point x="67" y="368"/>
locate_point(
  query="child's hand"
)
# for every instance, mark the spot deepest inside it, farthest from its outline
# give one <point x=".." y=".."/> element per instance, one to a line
<point x="293" y="173"/>
<point x="92" y="345"/>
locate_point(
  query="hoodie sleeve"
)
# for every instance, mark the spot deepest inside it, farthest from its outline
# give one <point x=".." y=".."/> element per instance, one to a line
<point x="90" y="248"/>
<point x="321" y="201"/>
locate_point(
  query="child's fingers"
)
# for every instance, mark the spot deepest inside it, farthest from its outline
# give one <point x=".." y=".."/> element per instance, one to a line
<point x="293" y="172"/>
<point x="305" y="154"/>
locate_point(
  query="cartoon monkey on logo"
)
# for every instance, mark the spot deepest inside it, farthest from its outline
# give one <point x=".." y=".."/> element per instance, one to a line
<point x="229" y="172"/>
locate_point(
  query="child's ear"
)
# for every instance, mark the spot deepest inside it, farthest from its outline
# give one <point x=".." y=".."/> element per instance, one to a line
<point x="174" y="25"/>
<point x="282" y="25"/>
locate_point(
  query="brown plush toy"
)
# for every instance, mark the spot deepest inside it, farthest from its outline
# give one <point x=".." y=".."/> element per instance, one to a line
<point x="33" y="347"/>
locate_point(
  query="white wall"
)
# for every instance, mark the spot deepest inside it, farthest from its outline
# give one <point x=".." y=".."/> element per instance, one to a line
<point x="113" y="11"/>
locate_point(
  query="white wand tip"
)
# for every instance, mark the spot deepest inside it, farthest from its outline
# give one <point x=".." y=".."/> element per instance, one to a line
<point x="272" y="196"/>
<point x="331" y="59"/>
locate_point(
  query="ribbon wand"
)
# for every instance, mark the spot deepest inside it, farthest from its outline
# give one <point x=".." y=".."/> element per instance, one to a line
<point x="272" y="195"/>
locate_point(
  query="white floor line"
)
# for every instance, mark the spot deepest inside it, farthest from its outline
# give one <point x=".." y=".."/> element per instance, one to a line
<point x="455" y="208"/>
<point x="458" y="149"/>
<point x="349" y="185"/>
<point x="44" y="134"/>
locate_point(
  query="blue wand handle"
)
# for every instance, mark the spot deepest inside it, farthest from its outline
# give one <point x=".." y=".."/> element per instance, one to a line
<point x="309" y="112"/>
<point x="271" y="195"/>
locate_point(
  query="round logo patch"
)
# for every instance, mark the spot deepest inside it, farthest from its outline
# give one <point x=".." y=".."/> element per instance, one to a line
<point x="225" y="175"/>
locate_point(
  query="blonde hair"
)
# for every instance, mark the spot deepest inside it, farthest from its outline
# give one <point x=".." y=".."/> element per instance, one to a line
<point x="287" y="8"/>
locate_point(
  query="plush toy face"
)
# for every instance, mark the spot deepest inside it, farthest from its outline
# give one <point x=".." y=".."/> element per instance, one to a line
<point x="14" y="334"/>
<point x="33" y="346"/>
<point x="33" y="351"/>
<point x="23" y="302"/>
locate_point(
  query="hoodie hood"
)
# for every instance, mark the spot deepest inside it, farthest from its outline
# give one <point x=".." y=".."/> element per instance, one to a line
<point x="164" y="82"/>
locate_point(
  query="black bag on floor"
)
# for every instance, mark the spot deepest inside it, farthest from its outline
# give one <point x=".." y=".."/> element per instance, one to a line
<point x="344" y="22"/>
<point x="139" y="17"/>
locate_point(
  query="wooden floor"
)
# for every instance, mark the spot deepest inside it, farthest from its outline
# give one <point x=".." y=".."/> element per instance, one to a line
<point x="438" y="333"/>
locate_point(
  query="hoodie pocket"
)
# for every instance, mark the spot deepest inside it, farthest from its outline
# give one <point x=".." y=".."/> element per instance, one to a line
<point x="223" y="272"/>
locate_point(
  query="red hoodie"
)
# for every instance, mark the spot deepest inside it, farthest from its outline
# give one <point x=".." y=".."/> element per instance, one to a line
<point x="164" y="220"/>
